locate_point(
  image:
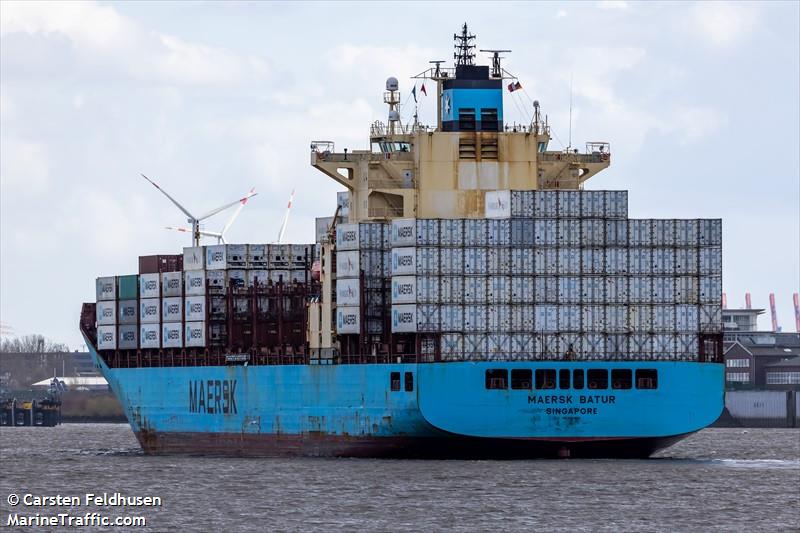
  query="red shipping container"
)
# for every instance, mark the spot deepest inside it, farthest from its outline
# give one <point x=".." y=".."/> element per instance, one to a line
<point x="151" y="264"/>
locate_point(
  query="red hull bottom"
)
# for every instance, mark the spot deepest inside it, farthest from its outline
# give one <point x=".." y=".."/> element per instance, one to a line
<point x="446" y="447"/>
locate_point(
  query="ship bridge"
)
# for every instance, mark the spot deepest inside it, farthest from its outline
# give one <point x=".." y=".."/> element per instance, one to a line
<point x="418" y="171"/>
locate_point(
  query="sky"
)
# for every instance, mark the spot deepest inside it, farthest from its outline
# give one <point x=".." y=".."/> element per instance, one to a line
<point x="698" y="100"/>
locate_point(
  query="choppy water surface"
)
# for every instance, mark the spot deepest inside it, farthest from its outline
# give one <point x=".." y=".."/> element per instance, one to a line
<point x="717" y="480"/>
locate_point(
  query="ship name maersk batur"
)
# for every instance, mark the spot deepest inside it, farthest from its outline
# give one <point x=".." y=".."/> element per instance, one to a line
<point x="469" y="298"/>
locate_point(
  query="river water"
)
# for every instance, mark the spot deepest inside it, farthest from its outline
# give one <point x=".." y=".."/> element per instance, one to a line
<point x="716" y="480"/>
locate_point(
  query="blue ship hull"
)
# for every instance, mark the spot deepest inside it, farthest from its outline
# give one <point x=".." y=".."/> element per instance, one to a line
<point x="351" y="410"/>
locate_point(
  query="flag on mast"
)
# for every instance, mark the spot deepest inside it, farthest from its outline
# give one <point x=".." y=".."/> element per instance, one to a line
<point x="514" y="86"/>
<point x="414" y="93"/>
<point x="422" y="90"/>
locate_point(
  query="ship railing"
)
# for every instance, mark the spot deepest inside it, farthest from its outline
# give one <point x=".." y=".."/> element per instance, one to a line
<point x="574" y="157"/>
<point x="385" y="212"/>
<point x="351" y="157"/>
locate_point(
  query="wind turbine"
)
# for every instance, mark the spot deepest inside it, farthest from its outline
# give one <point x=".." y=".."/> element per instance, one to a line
<point x="285" y="218"/>
<point x="195" y="221"/>
<point x="220" y="236"/>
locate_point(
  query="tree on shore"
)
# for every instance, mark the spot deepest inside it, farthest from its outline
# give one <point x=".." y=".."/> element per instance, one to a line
<point x="31" y="344"/>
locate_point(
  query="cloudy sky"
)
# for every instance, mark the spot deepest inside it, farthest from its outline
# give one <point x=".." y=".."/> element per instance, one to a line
<point x="699" y="103"/>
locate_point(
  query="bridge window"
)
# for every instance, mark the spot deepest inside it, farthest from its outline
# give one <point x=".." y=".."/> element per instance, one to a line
<point x="646" y="379"/>
<point x="466" y="118"/>
<point x="394" y="379"/>
<point x="563" y="378"/>
<point x="497" y="378"/>
<point x="621" y="378"/>
<point x="489" y="119"/>
<point x="409" y="382"/>
<point x="521" y="378"/>
<point x="577" y="379"/>
<point x="597" y="378"/>
<point x="545" y="379"/>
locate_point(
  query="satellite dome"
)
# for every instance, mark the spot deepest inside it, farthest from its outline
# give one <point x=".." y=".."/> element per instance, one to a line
<point x="536" y="103"/>
<point x="391" y="84"/>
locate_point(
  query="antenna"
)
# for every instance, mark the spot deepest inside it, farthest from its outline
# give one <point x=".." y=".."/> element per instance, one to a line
<point x="497" y="72"/>
<point x="437" y="71"/>
<point x="285" y="218"/>
<point x="570" y="112"/>
<point x="220" y="236"/>
<point x="464" y="54"/>
<point x="195" y="221"/>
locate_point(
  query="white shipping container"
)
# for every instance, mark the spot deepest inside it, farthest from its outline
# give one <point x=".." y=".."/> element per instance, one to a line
<point x="664" y="290"/>
<point x="522" y="318"/>
<point x="640" y="344"/>
<point x="521" y="204"/>
<point x="428" y="289"/>
<point x="498" y="346"/>
<point x="497" y="204"/>
<point x="195" y="334"/>
<point x="664" y="346"/>
<point x="711" y="261"/>
<point x="616" y="204"/>
<point x="663" y="232"/>
<point x="347" y="237"/>
<point x="237" y="279"/>
<point x="710" y="318"/>
<point x="428" y="233"/>
<point x="688" y="345"/>
<point x="451" y="346"/>
<point x="545" y="204"/>
<point x="172" y="309"/>
<point x="616" y="233"/>
<point x="348" y="264"/>
<point x="522" y="261"/>
<point x="257" y="255"/>
<point x="569" y="204"/>
<point x="498" y="318"/>
<point x="664" y="261"/>
<point x="616" y="345"/>
<point x="663" y="318"/>
<point x="522" y="232"/>
<point x="451" y="261"/>
<point x="194" y="258"/>
<point x="686" y="232"/>
<point x="474" y="232"/>
<point x="569" y="289"/>
<point x="686" y="261"/>
<point x="640" y="232"/>
<point x="522" y="289"/>
<point x="545" y="317"/>
<point x="348" y="291"/>
<point x="592" y="346"/>
<point x="475" y="318"/>
<point x="593" y="204"/>
<point x="404" y="289"/>
<point x="106" y="312"/>
<point x="149" y="285"/>
<point x="343" y="202"/>
<point x="194" y="282"/>
<point x="348" y="320"/>
<point x="475" y="346"/>
<point x="498" y="260"/>
<point x="404" y="261"/>
<point x="545" y="232"/>
<point x="640" y="261"/>
<point x="128" y="337"/>
<point x="593" y="232"/>
<point x="150" y="311"/>
<point x="592" y="260"/>
<point x="172" y="335"/>
<point x="475" y="261"/>
<point x="216" y="280"/>
<point x="128" y="311"/>
<point x="427" y="260"/>
<point x="257" y="278"/>
<point x="195" y="308"/>
<point x="523" y="346"/>
<point x="546" y="289"/>
<point x="106" y="288"/>
<point x="498" y="232"/>
<point x="687" y="290"/>
<point x="428" y="317"/>
<point x="150" y="336"/>
<point x="710" y="232"/>
<point x="404" y="232"/>
<point x="569" y="232"/>
<point x="546" y="261"/>
<point x="617" y="290"/>
<point x="616" y="318"/>
<point x="171" y="283"/>
<point x="569" y="260"/>
<point x="452" y="317"/>
<point x="236" y="255"/>
<point x="569" y="318"/>
<point x="475" y="291"/>
<point x="216" y="257"/>
<point x="616" y="261"/>
<point x="452" y="232"/>
<point x="711" y="290"/>
<point x="640" y="289"/>
<point x="404" y="318"/>
<point x="451" y="289"/>
<point x="593" y="289"/>
<point x="640" y="317"/>
<point x="106" y="337"/>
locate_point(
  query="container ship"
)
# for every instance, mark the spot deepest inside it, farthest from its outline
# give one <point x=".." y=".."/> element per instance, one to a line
<point x="469" y="298"/>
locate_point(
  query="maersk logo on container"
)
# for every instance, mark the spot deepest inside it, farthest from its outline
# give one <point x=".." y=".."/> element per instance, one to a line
<point x="128" y="336"/>
<point x="196" y="307"/>
<point x="107" y="337"/>
<point x="150" y="335"/>
<point x="173" y="309"/>
<point x="498" y="204"/>
<point x="404" y="231"/>
<point x="347" y="236"/>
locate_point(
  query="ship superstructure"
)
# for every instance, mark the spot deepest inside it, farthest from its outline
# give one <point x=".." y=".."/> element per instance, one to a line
<point x="474" y="300"/>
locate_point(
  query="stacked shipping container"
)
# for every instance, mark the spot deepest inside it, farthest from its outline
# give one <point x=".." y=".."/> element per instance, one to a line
<point x="555" y="273"/>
